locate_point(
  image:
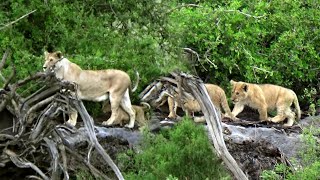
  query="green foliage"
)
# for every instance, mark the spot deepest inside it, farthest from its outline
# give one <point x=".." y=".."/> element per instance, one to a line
<point x="95" y="34"/>
<point x="310" y="95"/>
<point x="260" y="42"/>
<point x="255" y="41"/>
<point x="310" y="161"/>
<point x="184" y="152"/>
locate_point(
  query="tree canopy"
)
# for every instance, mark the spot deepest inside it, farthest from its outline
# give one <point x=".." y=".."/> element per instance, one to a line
<point x="256" y="41"/>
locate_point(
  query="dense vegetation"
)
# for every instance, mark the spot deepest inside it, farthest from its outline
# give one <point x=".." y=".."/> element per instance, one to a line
<point x="260" y="42"/>
<point x="256" y="41"/>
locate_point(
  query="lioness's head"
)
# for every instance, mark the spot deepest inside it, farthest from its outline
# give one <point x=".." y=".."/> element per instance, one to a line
<point x="51" y="59"/>
<point x="239" y="91"/>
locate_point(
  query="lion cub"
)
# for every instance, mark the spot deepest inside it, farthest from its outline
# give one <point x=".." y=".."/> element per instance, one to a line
<point x="123" y="116"/>
<point x="264" y="98"/>
<point x="217" y="96"/>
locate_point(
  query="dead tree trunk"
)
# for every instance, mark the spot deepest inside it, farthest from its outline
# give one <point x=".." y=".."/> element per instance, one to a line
<point x="196" y="87"/>
<point x="35" y="137"/>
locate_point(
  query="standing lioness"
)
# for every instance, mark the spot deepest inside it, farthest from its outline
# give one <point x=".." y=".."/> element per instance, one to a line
<point x="264" y="98"/>
<point x="96" y="85"/>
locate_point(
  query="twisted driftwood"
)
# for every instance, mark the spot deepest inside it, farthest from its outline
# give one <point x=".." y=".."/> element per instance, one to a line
<point x="34" y="131"/>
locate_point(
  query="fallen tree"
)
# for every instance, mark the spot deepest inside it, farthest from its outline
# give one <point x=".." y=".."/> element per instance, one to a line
<point x="34" y="133"/>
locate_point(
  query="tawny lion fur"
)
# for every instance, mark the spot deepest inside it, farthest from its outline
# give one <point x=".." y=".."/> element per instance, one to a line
<point x="217" y="96"/>
<point x="264" y="98"/>
<point x="123" y="117"/>
<point x="97" y="85"/>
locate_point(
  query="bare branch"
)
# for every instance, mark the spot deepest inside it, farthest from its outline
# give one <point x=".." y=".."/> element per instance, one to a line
<point x="195" y="53"/>
<point x="54" y="156"/>
<point x="88" y="123"/>
<point x="4" y="58"/>
<point x="23" y="163"/>
<point x="13" y="73"/>
<point x="248" y="15"/>
<point x="93" y="170"/>
<point x="9" y="24"/>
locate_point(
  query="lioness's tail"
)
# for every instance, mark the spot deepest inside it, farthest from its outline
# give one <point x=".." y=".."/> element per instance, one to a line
<point x="137" y="82"/>
<point x="145" y="105"/>
<point x="296" y="104"/>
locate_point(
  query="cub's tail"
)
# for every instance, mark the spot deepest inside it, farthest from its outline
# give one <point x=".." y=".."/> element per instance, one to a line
<point x="296" y="104"/>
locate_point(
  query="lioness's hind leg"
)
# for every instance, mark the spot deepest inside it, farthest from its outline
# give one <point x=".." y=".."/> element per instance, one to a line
<point x="73" y="115"/>
<point x="127" y="107"/>
<point x="115" y="103"/>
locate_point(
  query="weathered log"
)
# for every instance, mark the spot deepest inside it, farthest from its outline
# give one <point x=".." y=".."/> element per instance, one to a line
<point x="213" y="119"/>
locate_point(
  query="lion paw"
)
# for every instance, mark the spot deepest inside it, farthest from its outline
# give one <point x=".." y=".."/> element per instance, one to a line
<point x="129" y="126"/>
<point x="71" y="122"/>
<point x="106" y="123"/>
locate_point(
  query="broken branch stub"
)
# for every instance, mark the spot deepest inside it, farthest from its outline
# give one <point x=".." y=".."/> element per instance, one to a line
<point x="196" y="87"/>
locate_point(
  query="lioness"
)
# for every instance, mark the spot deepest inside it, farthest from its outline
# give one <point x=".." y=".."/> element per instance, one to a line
<point x="217" y="96"/>
<point x="96" y="85"/>
<point x="264" y="98"/>
<point x="123" y="117"/>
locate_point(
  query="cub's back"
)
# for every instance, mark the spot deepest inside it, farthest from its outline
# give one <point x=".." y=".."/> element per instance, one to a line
<point x="274" y="93"/>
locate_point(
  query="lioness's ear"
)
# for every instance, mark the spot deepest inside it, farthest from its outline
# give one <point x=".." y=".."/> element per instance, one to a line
<point x="46" y="53"/>
<point x="245" y="87"/>
<point x="59" y="54"/>
<point x="232" y="82"/>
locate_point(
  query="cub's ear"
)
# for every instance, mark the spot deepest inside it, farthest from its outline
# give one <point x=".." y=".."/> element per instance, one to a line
<point x="46" y="53"/>
<point x="59" y="54"/>
<point x="245" y="87"/>
<point x="232" y="82"/>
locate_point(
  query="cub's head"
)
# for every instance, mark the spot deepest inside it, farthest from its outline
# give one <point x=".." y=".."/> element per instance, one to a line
<point x="106" y="107"/>
<point x="51" y="59"/>
<point x="239" y="91"/>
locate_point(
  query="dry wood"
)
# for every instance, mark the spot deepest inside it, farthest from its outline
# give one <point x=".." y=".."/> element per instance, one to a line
<point x="196" y="87"/>
<point x="34" y="128"/>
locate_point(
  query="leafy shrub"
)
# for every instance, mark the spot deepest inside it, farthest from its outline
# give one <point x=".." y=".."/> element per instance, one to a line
<point x="95" y="34"/>
<point x="184" y="152"/>
<point x="259" y="42"/>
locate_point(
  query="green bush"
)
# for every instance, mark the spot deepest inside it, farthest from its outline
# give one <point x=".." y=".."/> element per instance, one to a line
<point x="184" y="152"/>
<point x="259" y="42"/>
<point x="95" y="34"/>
